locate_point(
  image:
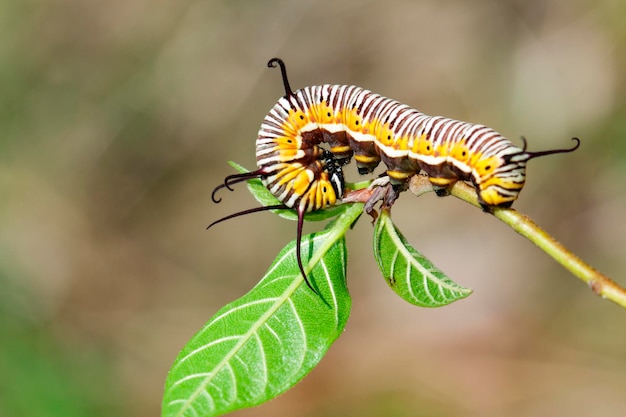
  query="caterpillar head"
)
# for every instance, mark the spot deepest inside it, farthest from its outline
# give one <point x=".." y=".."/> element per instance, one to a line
<point x="500" y="178"/>
<point x="306" y="191"/>
<point x="334" y="173"/>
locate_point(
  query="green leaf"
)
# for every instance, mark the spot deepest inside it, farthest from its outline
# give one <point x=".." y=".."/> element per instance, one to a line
<point x="408" y="272"/>
<point x="266" y="198"/>
<point x="260" y="345"/>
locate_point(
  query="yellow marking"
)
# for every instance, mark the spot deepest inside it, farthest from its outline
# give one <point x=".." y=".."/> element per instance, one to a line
<point x="301" y="182"/>
<point x="329" y="197"/>
<point x="441" y="182"/>
<point x="460" y="152"/>
<point x="287" y="147"/>
<point x="491" y="197"/>
<point x="322" y="113"/>
<point x="385" y="135"/>
<point x="353" y="121"/>
<point x="284" y="142"/>
<point x="424" y="146"/>
<point x="340" y="149"/>
<point x="295" y="121"/>
<point x="341" y="116"/>
<point x="320" y="193"/>
<point x="402" y="143"/>
<point x="288" y="154"/>
<point x="314" y="196"/>
<point x="365" y="158"/>
<point x="288" y="174"/>
<point x="442" y="150"/>
<point x="486" y="166"/>
<point x="314" y="111"/>
<point x="507" y="184"/>
<point x="370" y="127"/>
<point x="474" y="158"/>
<point x="398" y="175"/>
<point x="416" y="143"/>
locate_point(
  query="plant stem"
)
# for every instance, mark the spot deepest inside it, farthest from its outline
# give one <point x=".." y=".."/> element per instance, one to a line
<point x="599" y="283"/>
<point x="336" y="230"/>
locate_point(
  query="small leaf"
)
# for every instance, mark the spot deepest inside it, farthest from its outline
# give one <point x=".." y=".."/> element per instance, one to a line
<point x="408" y="272"/>
<point x="260" y="345"/>
<point x="266" y="198"/>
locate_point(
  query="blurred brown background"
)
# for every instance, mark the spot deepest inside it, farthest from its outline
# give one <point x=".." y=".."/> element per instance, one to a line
<point x="118" y="118"/>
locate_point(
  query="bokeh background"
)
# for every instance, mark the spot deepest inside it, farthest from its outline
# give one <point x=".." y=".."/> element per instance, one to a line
<point x="118" y="118"/>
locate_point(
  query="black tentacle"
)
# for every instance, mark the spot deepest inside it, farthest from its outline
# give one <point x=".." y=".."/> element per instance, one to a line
<point x="299" y="246"/>
<point x="525" y="143"/>
<point x="248" y="211"/>
<point x="283" y="70"/>
<point x="234" y="179"/>
<point x="300" y="225"/>
<point x="532" y="155"/>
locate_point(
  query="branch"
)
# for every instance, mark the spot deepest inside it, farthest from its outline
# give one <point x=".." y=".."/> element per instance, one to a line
<point x="599" y="283"/>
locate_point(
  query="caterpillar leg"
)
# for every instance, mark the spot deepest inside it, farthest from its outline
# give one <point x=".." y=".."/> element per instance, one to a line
<point x="381" y="181"/>
<point x="380" y="190"/>
<point x="442" y="186"/>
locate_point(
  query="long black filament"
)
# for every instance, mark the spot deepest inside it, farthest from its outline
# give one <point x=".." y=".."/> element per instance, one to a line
<point x="298" y="232"/>
<point x="283" y="70"/>
<point x="532" y="155"/>
<point x="525" y="143"/>
<point x="234" y="179"/>
<point x="299" y="247"/>
<point x="249" y="211"/>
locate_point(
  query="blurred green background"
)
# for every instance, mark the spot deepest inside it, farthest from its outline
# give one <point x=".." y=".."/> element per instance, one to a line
<point x="118" y="118"/>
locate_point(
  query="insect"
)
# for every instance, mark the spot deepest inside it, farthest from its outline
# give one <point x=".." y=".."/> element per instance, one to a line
<point x="311" y="133"/>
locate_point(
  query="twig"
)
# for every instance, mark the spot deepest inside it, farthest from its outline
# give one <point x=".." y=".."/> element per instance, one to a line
<point x="599" y="283"/>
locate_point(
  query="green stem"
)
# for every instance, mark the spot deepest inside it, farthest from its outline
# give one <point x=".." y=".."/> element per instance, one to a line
<point x="336" y="230"/>
<point x="599" y="283"/>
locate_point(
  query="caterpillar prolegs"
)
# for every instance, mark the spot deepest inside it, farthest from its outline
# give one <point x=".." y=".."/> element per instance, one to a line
<point x="311" y="133"/>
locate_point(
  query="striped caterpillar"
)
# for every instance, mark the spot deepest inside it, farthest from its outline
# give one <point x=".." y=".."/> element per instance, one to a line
<point x="355" y="123"/>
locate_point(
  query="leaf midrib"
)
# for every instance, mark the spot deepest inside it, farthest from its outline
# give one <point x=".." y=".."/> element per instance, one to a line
<point x="244" y="338"/>
<point x="401" y="248"/>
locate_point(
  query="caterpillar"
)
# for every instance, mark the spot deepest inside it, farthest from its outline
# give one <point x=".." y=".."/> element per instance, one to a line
<point x="310" y="134"/>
